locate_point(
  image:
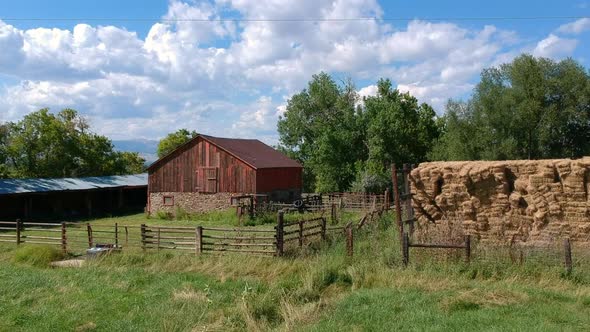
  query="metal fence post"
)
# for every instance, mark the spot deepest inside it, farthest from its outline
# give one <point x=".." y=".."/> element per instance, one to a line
<point x="406" y="249"/>
<point x="396" y="198"/>
<point x="279" y="232"/>
<point x="568" y="255"/>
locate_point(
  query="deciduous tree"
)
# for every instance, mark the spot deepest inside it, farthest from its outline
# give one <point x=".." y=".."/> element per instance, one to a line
<point x="44" y="144"/>
<point x="530" y="108"/>
<point x="174" y="140"/>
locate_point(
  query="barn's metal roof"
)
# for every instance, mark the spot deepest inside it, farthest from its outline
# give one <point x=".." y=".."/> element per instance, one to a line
<point x="21" y="186"/>
<point x="251" y="151"/>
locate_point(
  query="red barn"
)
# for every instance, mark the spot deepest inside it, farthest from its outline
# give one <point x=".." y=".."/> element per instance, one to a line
<point x="205" y="172"/>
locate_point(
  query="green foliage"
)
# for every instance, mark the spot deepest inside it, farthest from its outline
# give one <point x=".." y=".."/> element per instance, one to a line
<point x="398" y="128"/>
<point x="60" y="145"/>
<point x="37" y="255"/>
<point x="174" y="140"/>
<point x="531" y="108"/>
<point x="164" y="215"/>
<point x="370" y="182"/>
<point x="327" y="130"/>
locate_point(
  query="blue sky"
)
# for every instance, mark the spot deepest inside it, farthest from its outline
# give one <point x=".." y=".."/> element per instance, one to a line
<point x="143" y="79"/>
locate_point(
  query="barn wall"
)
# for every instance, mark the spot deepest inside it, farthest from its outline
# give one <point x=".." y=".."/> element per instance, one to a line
<point x="183" y="172"/>
<point x="189" y="202"/>
<point x="281" y="184"/>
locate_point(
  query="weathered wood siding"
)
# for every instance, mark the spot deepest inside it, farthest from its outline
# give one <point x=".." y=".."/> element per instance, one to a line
<point x="271" y="179"/>
<point x="193" y="168"/>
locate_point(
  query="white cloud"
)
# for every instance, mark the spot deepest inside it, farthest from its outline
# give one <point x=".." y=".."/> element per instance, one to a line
<point x="575" y="27"/>
<point x="555" y="47"/>
<point x="368" y="91"/>
<point x="227" y="78"/>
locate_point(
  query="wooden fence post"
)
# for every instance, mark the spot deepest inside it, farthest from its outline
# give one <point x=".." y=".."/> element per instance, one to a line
<point x="568" y="255"/>
<point x="333" y="215"/>
<point x="199" y="240"/>
<point x="90" y="240"/>
<point x="406" y="249"/>
<point x="116" y="235"/>
<point x="323" y="228"/>
<point x="158" y="240"/>
<point x="252" y="207"/>
<point x="386" y="200"/>
<point x="19" y="225"/>
<point x="64" y="241"/>
<point x="300" y="233"/>
<point x="142" y="230"/>
<point x="279" y="232"/>
<point x="349" y="240"/>
<point x="467" y="248"/>
<point x="126" y="236"/>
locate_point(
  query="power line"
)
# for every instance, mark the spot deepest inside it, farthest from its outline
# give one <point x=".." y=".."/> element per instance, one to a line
<point x="349" y="19"/>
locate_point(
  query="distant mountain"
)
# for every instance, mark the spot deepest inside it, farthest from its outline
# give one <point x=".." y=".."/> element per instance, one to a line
<point x="146" y="148"/>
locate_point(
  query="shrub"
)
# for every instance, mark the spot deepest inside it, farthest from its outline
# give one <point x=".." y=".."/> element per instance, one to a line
<point x="37" y="255"/>
<point x="182" y="214"/>
<point x="164" y="215"/>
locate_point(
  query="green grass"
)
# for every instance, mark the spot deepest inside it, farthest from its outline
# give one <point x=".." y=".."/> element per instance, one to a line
<point x="318" y="290"/>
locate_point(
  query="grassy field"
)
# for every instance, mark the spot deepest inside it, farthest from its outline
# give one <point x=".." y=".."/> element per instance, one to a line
<point x="320" y="289"/>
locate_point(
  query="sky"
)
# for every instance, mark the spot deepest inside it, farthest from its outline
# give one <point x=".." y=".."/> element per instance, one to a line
<point x="142" y="69"/>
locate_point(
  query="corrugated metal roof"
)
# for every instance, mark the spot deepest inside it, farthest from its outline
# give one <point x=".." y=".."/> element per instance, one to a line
<point x="20" y="186"/>
<point x="252" y="151"/>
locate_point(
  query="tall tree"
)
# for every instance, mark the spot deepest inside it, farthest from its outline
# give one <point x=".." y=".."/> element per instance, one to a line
<point x="60" y="145"/>
<point x="174" y="140"/>
<point x="319" y="127"/>
<point x="398" y="128"/>
<point x="340" y="141"/>
<point x="530" y="108"/>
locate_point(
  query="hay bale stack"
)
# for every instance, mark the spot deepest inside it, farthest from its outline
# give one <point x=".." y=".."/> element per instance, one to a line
<point x="503" y="202"/>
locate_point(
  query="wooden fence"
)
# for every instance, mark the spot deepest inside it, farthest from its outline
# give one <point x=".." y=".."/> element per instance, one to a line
<point x="77" y="237"/>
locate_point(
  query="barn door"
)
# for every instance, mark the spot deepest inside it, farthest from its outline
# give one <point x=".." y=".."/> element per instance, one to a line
<point x="207" y="179"/>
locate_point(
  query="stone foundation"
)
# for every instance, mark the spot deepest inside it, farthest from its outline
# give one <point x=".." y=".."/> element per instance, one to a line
<point x="504" y="202"/>
<point x="189" y="202"/>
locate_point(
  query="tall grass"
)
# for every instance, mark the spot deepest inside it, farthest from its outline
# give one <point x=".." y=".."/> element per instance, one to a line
<point x="319" y="289"/>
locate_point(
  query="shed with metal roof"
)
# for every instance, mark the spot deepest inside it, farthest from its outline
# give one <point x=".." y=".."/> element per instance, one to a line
<point x="71" y="197"/>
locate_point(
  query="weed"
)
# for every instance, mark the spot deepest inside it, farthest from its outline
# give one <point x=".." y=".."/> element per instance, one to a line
<point x="164" y="215"/>
<point x="37" y="255"/>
